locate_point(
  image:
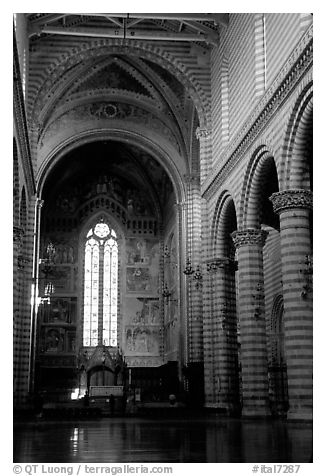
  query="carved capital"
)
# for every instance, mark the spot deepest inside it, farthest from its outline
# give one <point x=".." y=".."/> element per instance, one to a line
<point x="214" y="264"/>
<point x="192" y="178"/>
<point x="39" y="203"/>
<point x="22" y="261"/>
<point x="249" y="237"/>
<point x="291" y="199"/>
<point x="202" y="133"/>
<point x="179" y="206"/>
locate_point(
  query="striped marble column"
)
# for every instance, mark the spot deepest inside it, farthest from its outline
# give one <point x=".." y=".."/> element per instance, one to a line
<point x="254" y="363"/>
<point x="195" y="311"/>
<point x="224" y="336"/>
<point x="17" y="242"/>
<point x="294" y="208"/>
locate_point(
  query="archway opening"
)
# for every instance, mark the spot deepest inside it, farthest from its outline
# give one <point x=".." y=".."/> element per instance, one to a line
<point x="119" y="186"/>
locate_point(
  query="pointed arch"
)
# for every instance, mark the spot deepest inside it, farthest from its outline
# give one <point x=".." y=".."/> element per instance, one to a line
<point x="224" y="223"/>
<point x="297" y="150"/>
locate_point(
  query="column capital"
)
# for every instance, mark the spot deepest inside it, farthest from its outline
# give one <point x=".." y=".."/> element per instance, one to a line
<point x="22" y="261"/>
<point x="192" y="178"/>
<point x="249" y="237"/>
<point x="213" y="264"/>
<point x="180" y="205"/>
<point x="202" y="132"/>
<point x="287" y="199"/>
<point x="39" y="202"/>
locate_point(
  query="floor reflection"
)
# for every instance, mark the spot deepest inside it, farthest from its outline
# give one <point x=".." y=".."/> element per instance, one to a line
<point x="200" y="440"/>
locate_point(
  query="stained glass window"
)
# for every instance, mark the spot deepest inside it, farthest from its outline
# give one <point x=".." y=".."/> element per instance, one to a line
<point x="100" y="287"/>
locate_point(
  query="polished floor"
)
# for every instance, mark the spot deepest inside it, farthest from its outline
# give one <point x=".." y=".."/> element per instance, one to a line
<point x="208" y="439"/>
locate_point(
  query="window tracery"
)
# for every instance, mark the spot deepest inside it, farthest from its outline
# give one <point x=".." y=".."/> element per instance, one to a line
<point x="100" y="287"/>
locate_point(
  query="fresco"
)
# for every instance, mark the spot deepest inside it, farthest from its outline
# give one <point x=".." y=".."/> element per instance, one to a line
<point x="142" y="324"/>
<point x="142" y="272"/>
<point x="142" y="252"/>
<point x="142" y="311"/>
<point x="142" y="341"/>
<point x="59" y="310"/>
<point x="60" y="277"/>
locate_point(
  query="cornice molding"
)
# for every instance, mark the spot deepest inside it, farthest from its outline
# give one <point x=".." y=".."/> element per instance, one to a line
<point x="296" y="67"/>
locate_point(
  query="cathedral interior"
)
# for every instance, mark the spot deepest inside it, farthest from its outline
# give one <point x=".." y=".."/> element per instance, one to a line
<point x="162" y="214"/>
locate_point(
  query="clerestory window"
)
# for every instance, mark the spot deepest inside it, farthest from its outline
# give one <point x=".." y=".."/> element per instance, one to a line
<point x="100" y="287"/>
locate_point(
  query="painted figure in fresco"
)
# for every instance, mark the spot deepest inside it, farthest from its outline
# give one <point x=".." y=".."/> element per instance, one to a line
<point x="53" y="340"/>
<point x="71" y="255"/>
<point x="141" y="342"/>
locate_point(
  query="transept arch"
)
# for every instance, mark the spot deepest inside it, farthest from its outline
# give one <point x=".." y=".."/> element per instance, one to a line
<point x="124" y="136"/>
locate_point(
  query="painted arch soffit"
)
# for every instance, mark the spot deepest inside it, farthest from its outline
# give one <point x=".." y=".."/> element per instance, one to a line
<point x="115" y="89"/>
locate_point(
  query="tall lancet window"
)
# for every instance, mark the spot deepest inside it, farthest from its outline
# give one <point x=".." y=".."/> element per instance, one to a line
<point x="100" y="287"/>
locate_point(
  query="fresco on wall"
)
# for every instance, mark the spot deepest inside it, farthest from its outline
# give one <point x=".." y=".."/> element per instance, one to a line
<point x="142" y="311"/>
<point x="64" y="250"/>
<point x="142" y="341"/>
<point x="57" y="340"/>
<point x="142" y="251"/>
<point x="70" y="198"/>
<point x="142" y="322"/>
<point x="60" y="277"/>
<point x="59" y="310"/>
<point x="142" y="272"/>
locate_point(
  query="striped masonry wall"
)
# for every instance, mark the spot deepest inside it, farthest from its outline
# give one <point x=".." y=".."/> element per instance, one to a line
<point x="260" y="55"/>
<point x="241" y="50"/>
<point x="23" y="315"/>
<point x="252" y="322"/>
<point x="282" y="34"/>
<point x="216" y="136"/>
<point x="294" y="207"/>
<point x="225" y="101"/>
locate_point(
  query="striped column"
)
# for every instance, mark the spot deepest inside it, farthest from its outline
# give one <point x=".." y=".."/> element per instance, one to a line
<point x="294" y="208"/>
<point x="254" y="363"/>
<point x="17" y="242"/>
<point x="195" y="305"/>
<point x="224" y="336"/>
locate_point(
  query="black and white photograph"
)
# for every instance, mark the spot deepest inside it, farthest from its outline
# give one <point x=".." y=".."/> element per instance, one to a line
<point x="162" y="283"/>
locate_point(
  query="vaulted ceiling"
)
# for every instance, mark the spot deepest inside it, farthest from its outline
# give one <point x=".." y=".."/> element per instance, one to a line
<point x="195" y="27"/>
<point x="146" y="73"/>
